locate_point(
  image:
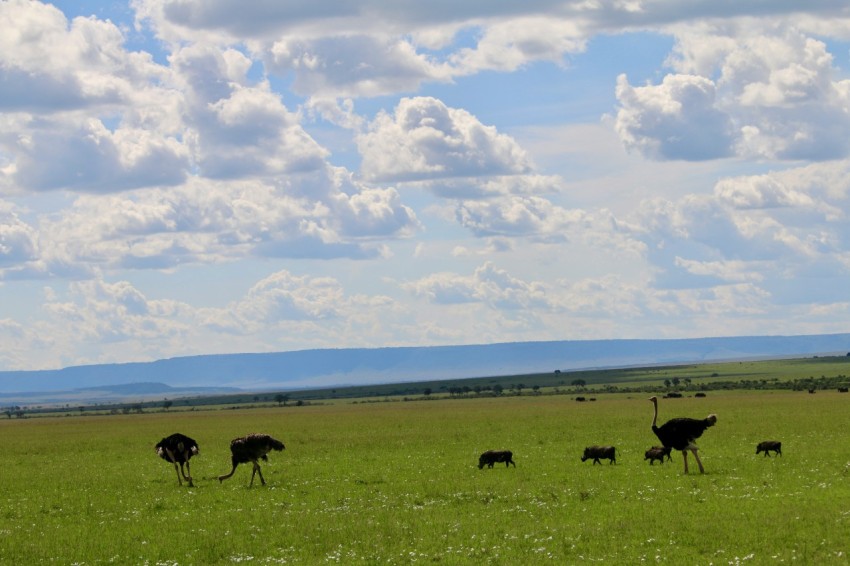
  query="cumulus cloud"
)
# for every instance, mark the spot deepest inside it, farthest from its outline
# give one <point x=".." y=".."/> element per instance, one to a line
<point x="540" y="220"/>
<point x="101" y="321"/>
<point x="280" y="299"/>
<point x="509" y="45"/>
<point x="491" y="178"/>
<point x="99" y="310"/>
<point x="238" y="129"/>
<point x="515" y="216"/>
<point x="425" y="139"/>
<point x="761" y="191"/>
<point x="324" y="214"/>
<point x="488" y="285"/>
<point x="18" y="240"/>
<point x="357" y="65"/>
<point x="762" y="228"/>
<point x="85" y="56"/>
<point x="480" y="187"/>
<point x="742" y="88"/>
<point x="88" y="114"/>
<point x="371" y="49"/>
<point x="677" y="119"/>
<point x="88" y="157"/>
<point x="50" y="64"/>
<point x="606" y="298"/>
<point x="336" y="111"/>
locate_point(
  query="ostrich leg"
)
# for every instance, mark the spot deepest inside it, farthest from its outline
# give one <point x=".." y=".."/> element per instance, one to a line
<point x="257" y="470"/>
<point x="701" y="470"/>
<point x="685" y="456"/>
<point x="187" y="477"/>
<point x="176" y="468"/>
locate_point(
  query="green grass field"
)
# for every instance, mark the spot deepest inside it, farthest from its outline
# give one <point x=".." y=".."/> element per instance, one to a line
<point x="397" y="483"/>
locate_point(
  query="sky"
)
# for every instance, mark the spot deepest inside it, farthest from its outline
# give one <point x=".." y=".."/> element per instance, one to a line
<point x="186" y="177"/>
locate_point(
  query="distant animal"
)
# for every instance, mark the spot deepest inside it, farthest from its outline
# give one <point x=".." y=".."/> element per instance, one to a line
<point x="769" y="445"/>
<point x="491" y="457"/>
<point x="597" y="452"/>
<point x="251" y="448"/>
<point x="657" y="453"/>
<point x="843" y="389"/>
<point x="178" y="449"/>
<point x="681" y="433"/>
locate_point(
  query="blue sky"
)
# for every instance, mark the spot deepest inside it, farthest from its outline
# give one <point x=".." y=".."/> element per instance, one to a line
<point x="182" y="177"/>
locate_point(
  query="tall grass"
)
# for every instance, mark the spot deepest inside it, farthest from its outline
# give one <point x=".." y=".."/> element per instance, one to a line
<point x="398" y="483"/>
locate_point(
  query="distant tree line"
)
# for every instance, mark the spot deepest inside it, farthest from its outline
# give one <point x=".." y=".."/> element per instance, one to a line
<point x="541" y="384"/>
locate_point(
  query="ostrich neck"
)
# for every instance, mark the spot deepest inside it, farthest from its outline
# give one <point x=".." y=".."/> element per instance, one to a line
<point x="655" y="416"/>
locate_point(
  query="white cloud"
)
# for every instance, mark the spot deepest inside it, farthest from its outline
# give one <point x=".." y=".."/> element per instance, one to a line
<point x="323" y="214"/>
<point x="353" y="65"/>
<point x="87" y="157"/>
<point x="114" y="312"/>
<point x="484" y="186"/>
<point x="425" y="139"/>
<point x="517" y="216"/>
<point x="761" y="191"/>
<point x="280" y="299"/>
<point x="237" y="129"/>
<point x="336" y="111"/>
<point x="99" y="321"/>
<point x="748" y="88"/>
<point x="18" y="240"/>
<point x="769" y="228"/>
<point x="488" y="284"/>
<point x="88" y="115"/>
<point x="677" y="119"/>
<point x="726" y="270"/>
<point x="50" y="64"/>
<point x="507" y="46"/>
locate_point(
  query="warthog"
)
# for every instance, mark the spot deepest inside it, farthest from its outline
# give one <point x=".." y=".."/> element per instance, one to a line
<point x="492" y="456"/>
<point x="597" y="452"/>
<point x="657" y="453"/>
<point x="769" y="445"/>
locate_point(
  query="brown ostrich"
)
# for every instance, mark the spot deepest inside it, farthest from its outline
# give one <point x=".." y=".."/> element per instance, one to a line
<point x="178" y="449"/>
<point x="250" y="449"/>
<point x="680" y="433"/>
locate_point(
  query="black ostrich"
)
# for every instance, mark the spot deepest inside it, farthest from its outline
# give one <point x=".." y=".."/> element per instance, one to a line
<point x="178" y="449"/>
<point x="250" y="449"/>
<point x="680" y="433"/>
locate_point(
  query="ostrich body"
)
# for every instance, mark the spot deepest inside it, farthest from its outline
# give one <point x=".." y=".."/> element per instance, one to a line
<point x="252" y="448"/>
<point x="178" y="449"/>
<point x="680" y="433"/>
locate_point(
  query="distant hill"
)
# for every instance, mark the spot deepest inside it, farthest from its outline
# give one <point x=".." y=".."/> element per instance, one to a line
<point x="360" y="366"/>
<point x="109" y="394"/>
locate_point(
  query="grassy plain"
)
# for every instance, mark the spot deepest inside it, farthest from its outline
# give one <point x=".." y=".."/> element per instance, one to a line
<point x="397" y="483"/>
